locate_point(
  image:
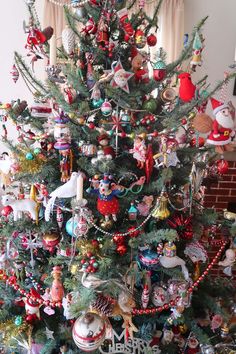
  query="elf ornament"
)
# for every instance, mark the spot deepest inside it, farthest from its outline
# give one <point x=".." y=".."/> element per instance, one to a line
<point x="223" y="127"/>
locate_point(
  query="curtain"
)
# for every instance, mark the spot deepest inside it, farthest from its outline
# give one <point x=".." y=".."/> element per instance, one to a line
<point x="170" y="22"/>
<point x="171" y="28"/>
<point x="54" y="16"/>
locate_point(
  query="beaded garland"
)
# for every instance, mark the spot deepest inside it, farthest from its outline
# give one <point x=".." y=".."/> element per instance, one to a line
<point x="12" y="282"/>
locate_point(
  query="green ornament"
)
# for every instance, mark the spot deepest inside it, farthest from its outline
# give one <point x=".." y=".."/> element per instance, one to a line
<point x="150" y="105"/>
<point x="18" y="320"/>
<point x="97" y="103"/>
<point x="37" y="151"/>
<point x="29" y="156"/>
<point x="95" y="265"/>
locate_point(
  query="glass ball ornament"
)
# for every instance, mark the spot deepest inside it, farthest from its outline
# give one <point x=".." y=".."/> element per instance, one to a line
<point x="106" y="108"/>
<point x="18" y="320"/>
<point x="148" y="259"/>
<point x="159" y="70"/>
<point x="97" y="103"/>
<point x="159" y="296"/>
<point x="29" y="156"/>
<point x="71" y="225"/>
<point x="150" y="105"/>
<point x="89" y="331"/>
<point x="37" y="151"/>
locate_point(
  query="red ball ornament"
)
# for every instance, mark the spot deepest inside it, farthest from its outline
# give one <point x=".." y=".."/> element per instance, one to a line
<point x="118" y="239"/>
<point x="151" y="40"/>
<point x="31" y="318"/>
<point x="133" y="232"/>
<point x="222" y="166"/>
<point x="6" y="210"/>
<point x="95" y="243"/>
<point x="197" y="141"/>
<point x="184" y="121"/>
<point x="121" y="249"/>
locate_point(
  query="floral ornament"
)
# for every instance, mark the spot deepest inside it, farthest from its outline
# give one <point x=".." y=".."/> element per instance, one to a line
<point x="183" y="225"/>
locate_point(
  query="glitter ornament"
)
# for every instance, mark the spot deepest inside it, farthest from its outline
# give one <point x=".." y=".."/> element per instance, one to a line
<point x="159" y="70"/>
<point x="68" y="40"/>
<point x="14" y="73"/>
<point x="89" y="331"/>
<point x="151" y="40"/>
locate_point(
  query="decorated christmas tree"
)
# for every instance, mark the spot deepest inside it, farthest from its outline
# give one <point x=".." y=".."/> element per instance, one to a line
<point x="105" y="239"/>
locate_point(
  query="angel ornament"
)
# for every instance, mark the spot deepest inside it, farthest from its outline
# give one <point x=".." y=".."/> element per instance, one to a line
<point x="228" y="262"/>
<point x="167" y="156"/>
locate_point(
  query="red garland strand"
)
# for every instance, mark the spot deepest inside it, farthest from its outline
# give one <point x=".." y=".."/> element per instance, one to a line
<point x="12" y="282"/>
<point x="190" y="289"/>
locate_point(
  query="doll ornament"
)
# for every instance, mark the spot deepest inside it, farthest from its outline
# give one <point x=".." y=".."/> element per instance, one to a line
<point x="57" y="291"/>
<point x="139" y="151"/>
<point x="107" y="202"/>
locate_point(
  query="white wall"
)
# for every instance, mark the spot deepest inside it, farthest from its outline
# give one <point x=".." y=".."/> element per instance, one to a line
<point x="220" y="37"/>
<point x="13" y="38"/>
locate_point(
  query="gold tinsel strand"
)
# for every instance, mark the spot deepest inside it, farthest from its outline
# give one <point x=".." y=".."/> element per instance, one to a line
<point x="31" y="166"/>
<point x="9" y="329"/>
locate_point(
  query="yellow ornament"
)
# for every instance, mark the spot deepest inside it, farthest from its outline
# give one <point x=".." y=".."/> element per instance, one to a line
<point x="106" y="225"/>
<point x="182" y="328"/>
<point x="74" y="269"/>
<point x="161" y="211"/>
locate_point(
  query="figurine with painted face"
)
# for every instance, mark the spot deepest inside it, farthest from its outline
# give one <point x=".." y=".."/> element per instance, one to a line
<point x="107" y="202"/>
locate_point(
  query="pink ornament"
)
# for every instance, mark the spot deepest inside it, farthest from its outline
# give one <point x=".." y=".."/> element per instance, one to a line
<point x="216" y="322"/>
<point x="14" y="73"/>
<point x="59" y="217"/>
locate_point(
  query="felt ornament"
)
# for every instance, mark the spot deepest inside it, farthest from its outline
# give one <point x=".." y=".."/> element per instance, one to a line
<point x="187" y="88"/>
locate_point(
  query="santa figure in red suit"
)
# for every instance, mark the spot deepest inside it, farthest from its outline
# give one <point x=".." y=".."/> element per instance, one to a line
<point x="222" y="127"/>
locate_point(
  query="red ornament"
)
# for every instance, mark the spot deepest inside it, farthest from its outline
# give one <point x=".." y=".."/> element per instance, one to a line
<point x="183" y="225"/>
<point x="200" y="141"/>
<point x="31" y="318"/>
<point x="222" y="166"/>
<point x="187" y="88"/>
<point x="149" y="163"/>
<point x="134" y="233"/>
<point x="151" y="40"/>
<point x="6" y="210"/>
<point x="121" y="249"/>
<point x="118" y="239"/>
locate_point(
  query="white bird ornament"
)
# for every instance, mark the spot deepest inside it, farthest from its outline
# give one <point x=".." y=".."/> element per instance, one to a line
<point x="67" y="190"/>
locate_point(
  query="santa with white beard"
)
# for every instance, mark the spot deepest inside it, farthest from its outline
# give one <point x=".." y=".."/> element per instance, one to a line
<point x="223" y="125"/>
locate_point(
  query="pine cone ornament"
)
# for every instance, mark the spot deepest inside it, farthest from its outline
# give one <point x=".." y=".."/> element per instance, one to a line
<point x="103" y="305"/>
<point x="68" y="40"/>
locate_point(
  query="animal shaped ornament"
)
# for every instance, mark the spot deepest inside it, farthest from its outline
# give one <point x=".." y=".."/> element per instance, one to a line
<point x="20" y="206"/>
<point x="186" y="89"/>
<point x="67" y="190"/>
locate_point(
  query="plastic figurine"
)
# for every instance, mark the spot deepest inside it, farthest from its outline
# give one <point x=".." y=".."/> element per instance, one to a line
<point x="139" y="151"/>
<point x="57" y="291"/>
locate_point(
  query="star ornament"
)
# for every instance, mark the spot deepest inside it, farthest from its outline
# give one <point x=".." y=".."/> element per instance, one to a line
<point x="121" y="77"/>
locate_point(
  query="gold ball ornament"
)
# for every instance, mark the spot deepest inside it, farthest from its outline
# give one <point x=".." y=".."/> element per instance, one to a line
<point x="74" y="269"/>
<point x="106" y="225"/>
<point x="182" y="328"/>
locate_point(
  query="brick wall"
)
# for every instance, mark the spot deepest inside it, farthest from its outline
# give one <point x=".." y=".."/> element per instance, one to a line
<point x="217" y="196"/>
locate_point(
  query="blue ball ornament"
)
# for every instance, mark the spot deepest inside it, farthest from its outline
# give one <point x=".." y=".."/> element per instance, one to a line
<point x="148" y="259"/>
<point x="18" y="320"/>
<point x="71" y="225"/>
<point x="29" y="156"/>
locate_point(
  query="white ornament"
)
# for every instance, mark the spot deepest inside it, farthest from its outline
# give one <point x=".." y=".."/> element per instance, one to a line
<point x="66" y="303"/>
<point x="67" y="190"/>
<point x="228" y="261"/>
<point x="68" y="40"/>
<point x="172" y="262"/>
<point x="89" y="331"/>
<point x="159" y="296"/>
<point x="19" y="206"/>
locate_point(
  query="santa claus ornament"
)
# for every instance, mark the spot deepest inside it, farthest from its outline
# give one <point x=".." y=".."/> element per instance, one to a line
<point x="121" y="77"/>
<point x="223" y="125"/>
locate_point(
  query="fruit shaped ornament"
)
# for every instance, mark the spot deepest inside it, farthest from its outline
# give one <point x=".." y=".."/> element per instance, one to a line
<point x="63" y="139"/>
<point x="159" y="70"/>
<point x="89" y="331"/>
<point x="187" y="89"/>
<point x="107" y="202"/>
